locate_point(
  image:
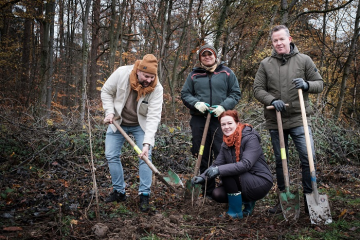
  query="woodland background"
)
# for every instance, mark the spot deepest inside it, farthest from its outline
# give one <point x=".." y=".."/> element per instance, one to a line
<point x="56" y="55"/>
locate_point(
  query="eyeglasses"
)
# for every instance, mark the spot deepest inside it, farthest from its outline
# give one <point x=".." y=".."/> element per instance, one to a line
<point x="205" y="54"/>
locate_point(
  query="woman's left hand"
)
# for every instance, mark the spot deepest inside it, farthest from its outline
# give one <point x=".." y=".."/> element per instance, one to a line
<point x="212" y="172"/>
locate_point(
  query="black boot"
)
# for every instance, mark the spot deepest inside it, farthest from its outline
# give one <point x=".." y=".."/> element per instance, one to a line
<point x="248" y="208"/>
<point x="144" y="202"/>
<point x="276" y="209"/>
<point x="116" y="196"/>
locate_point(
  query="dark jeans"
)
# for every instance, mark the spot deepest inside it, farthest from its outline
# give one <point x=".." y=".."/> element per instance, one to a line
<point x="213" y="139"/>
<point x="298" y="136"/>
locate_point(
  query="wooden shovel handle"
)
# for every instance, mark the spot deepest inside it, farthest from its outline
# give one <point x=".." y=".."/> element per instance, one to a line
<point x="136" y="148"/>
<point x="202" y="144"/>
<point x="306" y="130"/>
<point x="282" y="147"/>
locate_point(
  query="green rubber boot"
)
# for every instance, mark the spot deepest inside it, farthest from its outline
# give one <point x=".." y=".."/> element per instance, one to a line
<point x="248" y="208"/>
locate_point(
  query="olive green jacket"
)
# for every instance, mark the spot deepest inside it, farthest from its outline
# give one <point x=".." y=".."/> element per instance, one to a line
<point x="273" y="81"/>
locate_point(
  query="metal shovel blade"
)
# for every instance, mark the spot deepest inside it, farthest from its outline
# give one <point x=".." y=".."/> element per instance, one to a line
<point x="319" y="212"/>
<point x="290" y="205"/>
<point x="173" y="179"/>
<point x="192" y="191"/>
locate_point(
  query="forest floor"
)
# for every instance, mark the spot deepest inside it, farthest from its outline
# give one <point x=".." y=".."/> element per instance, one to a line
<point x="57" y="201"/>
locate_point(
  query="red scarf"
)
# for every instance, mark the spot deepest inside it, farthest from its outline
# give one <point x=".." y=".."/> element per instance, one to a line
<point x="235" y="139"/>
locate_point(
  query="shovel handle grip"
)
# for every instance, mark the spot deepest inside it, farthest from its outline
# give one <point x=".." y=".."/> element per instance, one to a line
<point x="272" y="107"/>
<point x="136" y="148"/>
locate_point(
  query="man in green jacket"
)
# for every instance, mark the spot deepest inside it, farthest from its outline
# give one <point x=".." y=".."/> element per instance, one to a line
<point x="276" y="83"/>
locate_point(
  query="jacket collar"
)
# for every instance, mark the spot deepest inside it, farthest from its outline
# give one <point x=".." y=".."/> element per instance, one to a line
<point x="198" y="67"/>
<point x="285" y="57"/>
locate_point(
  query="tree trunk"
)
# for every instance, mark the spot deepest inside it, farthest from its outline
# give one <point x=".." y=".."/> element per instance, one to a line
<point x="85" y="53"/>
<point x="221" y="22"/>
<point x="94" y="68"/>
<point x="51" y="5"/>
<point x="44" y="60"/>
<point x="173" y="79"/>
<point x="348" y="62"/>
<point x="112" y="44"/>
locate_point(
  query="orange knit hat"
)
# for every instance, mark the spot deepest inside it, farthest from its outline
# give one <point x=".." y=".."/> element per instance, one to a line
<point x="148" y="64"/>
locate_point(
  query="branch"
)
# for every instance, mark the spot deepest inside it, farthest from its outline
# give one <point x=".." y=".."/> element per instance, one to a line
<point x="324" y="11"/>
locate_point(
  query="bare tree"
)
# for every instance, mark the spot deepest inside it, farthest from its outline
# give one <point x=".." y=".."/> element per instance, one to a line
<point x="85" y="53"/>
<point x="348" y="62"/>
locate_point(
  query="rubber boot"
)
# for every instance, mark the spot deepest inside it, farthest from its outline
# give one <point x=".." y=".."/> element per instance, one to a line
<point x="248" y="208"/>
<point x="235" y="205"/>
<point x="276" y="209"/>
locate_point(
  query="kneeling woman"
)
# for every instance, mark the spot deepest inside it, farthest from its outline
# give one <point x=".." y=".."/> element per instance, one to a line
<point x="241" y="166"/>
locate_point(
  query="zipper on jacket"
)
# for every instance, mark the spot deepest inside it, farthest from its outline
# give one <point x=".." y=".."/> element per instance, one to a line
<point x="210" y="76"/>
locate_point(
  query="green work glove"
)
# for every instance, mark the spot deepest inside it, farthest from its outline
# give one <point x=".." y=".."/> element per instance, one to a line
<point x="217" y="110"/>
<point x="202" y="106"/>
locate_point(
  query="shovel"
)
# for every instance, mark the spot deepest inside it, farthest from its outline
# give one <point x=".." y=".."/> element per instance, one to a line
<point x="290" y="203"/>
<point x="195" y="189"/>
<point x="170" y="181"/>
<point x="319" y="209"/>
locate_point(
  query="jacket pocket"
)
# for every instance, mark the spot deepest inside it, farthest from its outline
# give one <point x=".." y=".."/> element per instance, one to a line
<point x="143" y="109"/>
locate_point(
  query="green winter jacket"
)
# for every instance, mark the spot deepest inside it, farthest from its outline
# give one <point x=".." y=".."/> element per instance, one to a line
<point x="273" y="80"/>
<point x="218" y="88"/>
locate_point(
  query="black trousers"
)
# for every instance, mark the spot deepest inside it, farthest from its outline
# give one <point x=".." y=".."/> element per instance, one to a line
<point x="214" y="139"/>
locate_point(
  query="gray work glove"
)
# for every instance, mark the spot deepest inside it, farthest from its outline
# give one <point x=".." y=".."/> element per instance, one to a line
<point x="212" y="172"/>
<point x="279" y="105"/>
<point x="300" y="83"/>
<point x="197" y="180"/>
<point x="202" y="106"/>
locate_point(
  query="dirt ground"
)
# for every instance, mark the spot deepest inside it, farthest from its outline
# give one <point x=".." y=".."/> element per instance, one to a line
<point x="57" y="201"/>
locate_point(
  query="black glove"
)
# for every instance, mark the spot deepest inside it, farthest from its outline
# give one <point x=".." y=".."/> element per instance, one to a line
<point x="197" y="180"/>
<point x="212" y="172"/>
<point x="300" y="83"/>
<point x="279" y="105"/>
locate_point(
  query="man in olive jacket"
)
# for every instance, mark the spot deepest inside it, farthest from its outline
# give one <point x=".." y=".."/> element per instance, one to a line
<point x="276" y="83"/>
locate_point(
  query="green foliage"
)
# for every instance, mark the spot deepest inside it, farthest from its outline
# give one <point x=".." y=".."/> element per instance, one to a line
<point x="172" y="149"/>
<point x="120" y="210"/>
<point x="66" y="226"/>
<point x="335" y="143"/>
<point x="339" y="230"/>
<point x="6" y="192"/>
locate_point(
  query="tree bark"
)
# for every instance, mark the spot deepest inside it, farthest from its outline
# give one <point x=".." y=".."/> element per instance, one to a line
<point x="85" y="53"/>
<point x="348" y="62"/>
<point x="94" y="68"/>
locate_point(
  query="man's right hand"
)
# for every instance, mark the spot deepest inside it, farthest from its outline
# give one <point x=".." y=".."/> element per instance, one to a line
<point x="202" y="106"/>
<point x="109" y="118"/>
<point x="197" y="180"/>
<point x="279" y="105"/>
